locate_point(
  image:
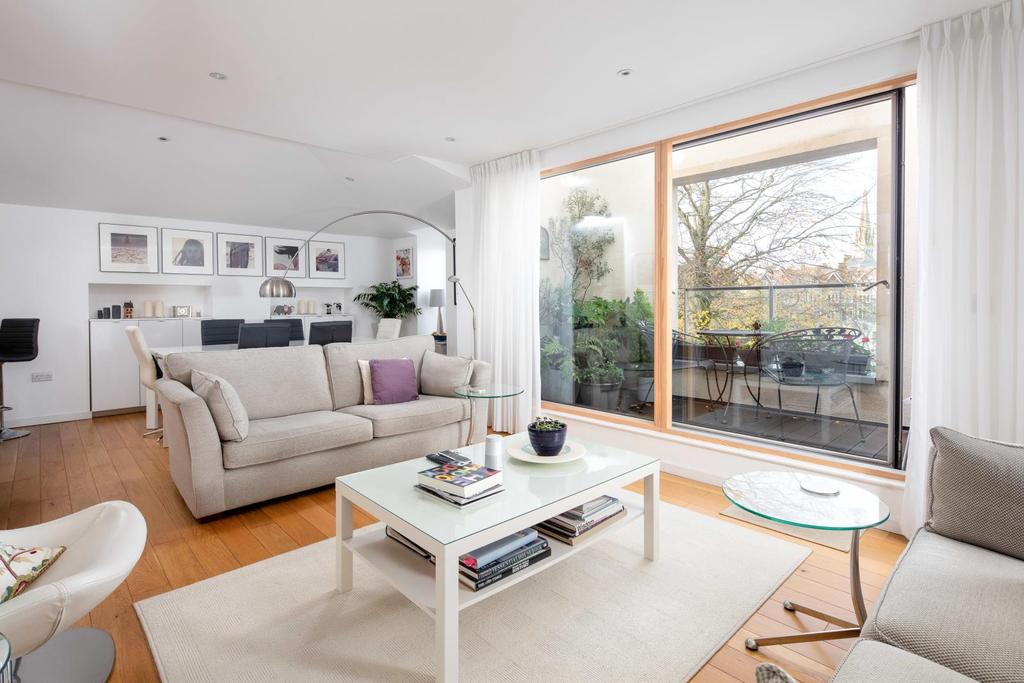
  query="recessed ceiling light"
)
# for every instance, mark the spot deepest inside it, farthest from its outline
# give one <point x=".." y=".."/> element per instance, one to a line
<point x="350" y="179"/>
<point x="218" y="76"/>
<point x="449" y="139"/>
<point x="163" y="139"/>
<point x="625" y="72"/>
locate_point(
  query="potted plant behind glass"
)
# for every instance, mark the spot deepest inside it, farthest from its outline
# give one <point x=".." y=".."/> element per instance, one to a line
<point x="596" y="371"/>
<point x="389" y="300"/>
<point x="547" y="436"/>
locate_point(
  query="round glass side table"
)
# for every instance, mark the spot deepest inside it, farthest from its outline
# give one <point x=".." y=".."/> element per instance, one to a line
<point x="6" y="667"/>
<point x="484" y="391"/>
<point x="813" y="502"/>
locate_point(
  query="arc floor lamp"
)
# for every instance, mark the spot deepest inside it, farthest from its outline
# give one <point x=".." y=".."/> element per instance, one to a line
<point x="280" y="287"/>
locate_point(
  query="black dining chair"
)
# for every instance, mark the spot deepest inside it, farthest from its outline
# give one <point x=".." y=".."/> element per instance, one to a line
<point x="330" y="332"/>
<point x="295" y="326"/>
<point x="19" y="342"/>
<point x="220" y="331"/>
<point x="263" y="335"/>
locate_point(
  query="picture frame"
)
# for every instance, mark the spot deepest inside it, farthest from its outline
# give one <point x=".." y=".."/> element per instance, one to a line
<point x="186" y="252"/>
<point x="545" y="244"/>
<point x="326" y="260"/>
<point x="277" y="251"/>
<point x="405" y="263"/>
<point x="234" y="250"/>
<point x="129" y="248"/>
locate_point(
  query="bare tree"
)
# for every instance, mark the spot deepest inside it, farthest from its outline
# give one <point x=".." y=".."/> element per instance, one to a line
<point x="581" y="250"/>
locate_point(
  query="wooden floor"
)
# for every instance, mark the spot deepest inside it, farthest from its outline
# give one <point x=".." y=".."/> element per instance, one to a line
<point x="66" y="467"/>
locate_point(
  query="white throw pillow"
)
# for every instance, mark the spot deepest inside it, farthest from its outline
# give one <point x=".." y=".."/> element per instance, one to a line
<point x="364" y="372"/>
<point x="441" y="375"/>
<point x="228" y="412"/>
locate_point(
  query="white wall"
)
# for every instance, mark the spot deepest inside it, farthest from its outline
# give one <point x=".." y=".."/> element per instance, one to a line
<point x="49" y="257"/>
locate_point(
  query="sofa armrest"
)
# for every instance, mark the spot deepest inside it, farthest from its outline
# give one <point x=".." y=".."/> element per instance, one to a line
<point x="977" y="491"/>
<point x="194" y="450"/>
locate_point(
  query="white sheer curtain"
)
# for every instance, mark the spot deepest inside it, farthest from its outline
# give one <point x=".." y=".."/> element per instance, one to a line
<point x="506" y="201"/>
<point x="968" y="370"/>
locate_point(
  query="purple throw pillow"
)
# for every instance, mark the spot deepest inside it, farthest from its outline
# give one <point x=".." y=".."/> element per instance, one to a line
<point x="393" y="380"/>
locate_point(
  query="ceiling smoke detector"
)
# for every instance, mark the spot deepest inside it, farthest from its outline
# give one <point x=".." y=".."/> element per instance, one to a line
<point x="218" y="76"/>
<point x="624" y="72"/>
<point x="163" y="139"/>
<point x="449" y="139"/>
<point x="350" y="179"/>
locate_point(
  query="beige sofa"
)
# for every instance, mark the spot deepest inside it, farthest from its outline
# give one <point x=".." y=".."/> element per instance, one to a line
<point x="307" y="420"/>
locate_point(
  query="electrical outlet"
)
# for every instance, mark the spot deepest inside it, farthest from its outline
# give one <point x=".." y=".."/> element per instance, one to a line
<point x="42" y="376"/>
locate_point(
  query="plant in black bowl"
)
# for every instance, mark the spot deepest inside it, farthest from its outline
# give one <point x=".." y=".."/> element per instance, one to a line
<point x="547" y="436"/>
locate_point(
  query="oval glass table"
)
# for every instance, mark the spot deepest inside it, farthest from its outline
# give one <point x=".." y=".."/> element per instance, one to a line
<point x="812" y="502"/>
<point x="484" y="391"/>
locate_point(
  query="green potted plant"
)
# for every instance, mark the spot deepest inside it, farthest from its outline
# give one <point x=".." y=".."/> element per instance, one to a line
<point x="547" y="436"/>
<point x="595" y="370"/>
<point x="389" y="300"/>
<point x="555" y="370"/>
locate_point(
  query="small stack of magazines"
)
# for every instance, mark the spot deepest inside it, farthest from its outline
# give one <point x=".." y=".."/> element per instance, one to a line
<point x="573" y="525"/>
<point x="460" y="485"/>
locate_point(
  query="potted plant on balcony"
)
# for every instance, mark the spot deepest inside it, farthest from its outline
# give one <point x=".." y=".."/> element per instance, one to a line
<point x="547" y="436"/>
<point x="596" y="372"/>
<point x="389" y="300"/>
<point x="860" y="357"/>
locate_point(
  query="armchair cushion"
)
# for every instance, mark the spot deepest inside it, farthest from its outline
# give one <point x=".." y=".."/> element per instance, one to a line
<point x="977" y="491"/>
<point x="441" y="375"/>
<point x="22" y="566"/>
<point x="228" y="412"/>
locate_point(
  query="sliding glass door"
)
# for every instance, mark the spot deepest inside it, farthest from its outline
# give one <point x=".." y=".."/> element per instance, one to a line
<point x="783" y="252"/>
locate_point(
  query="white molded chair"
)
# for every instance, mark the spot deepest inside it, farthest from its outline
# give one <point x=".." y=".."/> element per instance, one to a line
<point x="147" y="376"/>
<point x="103" y="544"/>
<point x="389" y="328"/>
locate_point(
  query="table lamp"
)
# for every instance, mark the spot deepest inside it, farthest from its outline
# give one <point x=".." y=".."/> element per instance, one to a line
<point x="437" y="299"/>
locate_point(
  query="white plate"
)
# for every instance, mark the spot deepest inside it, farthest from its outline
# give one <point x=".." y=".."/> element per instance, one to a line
<point x="522" y="450"/>
<point x="819" y="486"/>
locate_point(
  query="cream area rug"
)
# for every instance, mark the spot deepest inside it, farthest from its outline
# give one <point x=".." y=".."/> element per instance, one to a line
<point x="840" y="540"/>
<point x="604" y="614"/>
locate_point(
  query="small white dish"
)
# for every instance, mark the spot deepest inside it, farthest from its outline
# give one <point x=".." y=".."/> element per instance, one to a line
<point x="819" y="486"/>
<point x="524" y="451"/>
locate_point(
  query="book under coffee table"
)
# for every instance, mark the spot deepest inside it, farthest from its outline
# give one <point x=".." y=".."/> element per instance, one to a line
<point x="534" y="492"/>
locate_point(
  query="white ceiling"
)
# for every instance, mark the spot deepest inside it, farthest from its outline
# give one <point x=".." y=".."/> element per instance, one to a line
<point x="368" y="88"/>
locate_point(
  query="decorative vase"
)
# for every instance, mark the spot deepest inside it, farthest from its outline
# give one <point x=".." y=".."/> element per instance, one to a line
<point x="547" y="443"/>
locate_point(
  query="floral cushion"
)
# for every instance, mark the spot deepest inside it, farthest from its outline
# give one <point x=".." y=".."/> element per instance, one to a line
<point x="22" y="566"/>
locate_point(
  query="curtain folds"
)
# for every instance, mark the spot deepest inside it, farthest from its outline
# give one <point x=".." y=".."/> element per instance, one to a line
<point x="506" y="201"/>
<point x="968" y="362"/>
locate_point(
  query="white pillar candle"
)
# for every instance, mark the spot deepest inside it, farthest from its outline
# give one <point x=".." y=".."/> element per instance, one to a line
<point x="147" y="309"/>
<point x="158" y="309"/>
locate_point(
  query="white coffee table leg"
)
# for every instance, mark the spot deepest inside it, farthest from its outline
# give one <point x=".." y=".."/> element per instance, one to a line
<point x="651" y="508"/>
<point x="446" y="616"/>
<point x="343" y="518"/>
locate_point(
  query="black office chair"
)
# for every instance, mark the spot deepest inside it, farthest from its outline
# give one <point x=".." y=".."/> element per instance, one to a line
<point x="19" y="342"/>
<point x="330" y="333"/>
<point x="220" y="331"/>
<point x="262" y="335"/>
<point x="296" y="327"/>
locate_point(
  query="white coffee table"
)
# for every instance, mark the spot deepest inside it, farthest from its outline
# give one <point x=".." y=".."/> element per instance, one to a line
<point x="533" y="493"/>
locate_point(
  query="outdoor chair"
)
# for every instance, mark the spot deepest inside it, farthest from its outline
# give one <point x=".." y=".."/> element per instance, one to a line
<point x="688" y="352"/>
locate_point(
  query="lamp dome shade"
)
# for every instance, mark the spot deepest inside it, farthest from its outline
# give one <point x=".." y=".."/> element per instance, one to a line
<point x="436" y="297"/>
<point x="277" y="288"/>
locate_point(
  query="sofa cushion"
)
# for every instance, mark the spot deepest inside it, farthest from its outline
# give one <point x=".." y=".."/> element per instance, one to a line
<point x="869" y="660"/>
<point x="955" y="604"/>
<point x="226" y="408"/>
<point x="441" y="375"/>
<point x="343" y="368"/>
<point x="364" y="374"/>
<point x="393" y="380"/>
<point x="277" y="438"/>
<point x="415" y="416"/>
<point x="977" y="491"/>
<point x="270" y="382"/>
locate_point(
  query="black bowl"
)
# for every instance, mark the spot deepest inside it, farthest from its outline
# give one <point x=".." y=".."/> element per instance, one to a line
<point x="547" y="443"/>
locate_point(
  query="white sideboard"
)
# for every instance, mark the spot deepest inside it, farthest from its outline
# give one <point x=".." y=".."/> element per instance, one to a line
<point x="113" y="370"/>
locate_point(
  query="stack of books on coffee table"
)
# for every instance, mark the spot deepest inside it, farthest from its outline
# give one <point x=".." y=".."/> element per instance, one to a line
<point x="572" y="526"/>
<point x="493" y="562"/>
<point x="460" y="485"/>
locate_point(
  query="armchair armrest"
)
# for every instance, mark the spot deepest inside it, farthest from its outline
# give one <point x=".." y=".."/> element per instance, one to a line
<point x="977" y="491"/>
<point x="194" y="449"/>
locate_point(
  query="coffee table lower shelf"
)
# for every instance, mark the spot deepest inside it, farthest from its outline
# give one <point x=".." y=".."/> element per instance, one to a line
<point x="414" y="576"/>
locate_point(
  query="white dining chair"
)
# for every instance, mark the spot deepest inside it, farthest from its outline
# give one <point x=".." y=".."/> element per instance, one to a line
<point x="147" y="376"/>
<point x="103" y="544"/>
<point x="389" y="328"/>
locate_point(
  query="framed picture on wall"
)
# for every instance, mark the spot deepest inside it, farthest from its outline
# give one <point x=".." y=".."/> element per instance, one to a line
<point x="327" y="260"/>
<point x="405" y="266"/>
<point x="239" y="254"/>
<point x="186" y="252"/>
<point x="545" y="244"/>
<point x="284" y="256"/>
<point x="129" y="249"/>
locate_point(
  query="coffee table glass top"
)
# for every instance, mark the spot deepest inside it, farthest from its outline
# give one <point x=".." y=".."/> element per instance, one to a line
<point x="778" y="496"/>
<point x="527" y="487"/>
<point x="488" y="391"/>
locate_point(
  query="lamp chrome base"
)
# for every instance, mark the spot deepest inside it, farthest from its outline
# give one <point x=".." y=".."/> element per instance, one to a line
<point x="8" y="434"/>
<point x="78" y="655"/>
